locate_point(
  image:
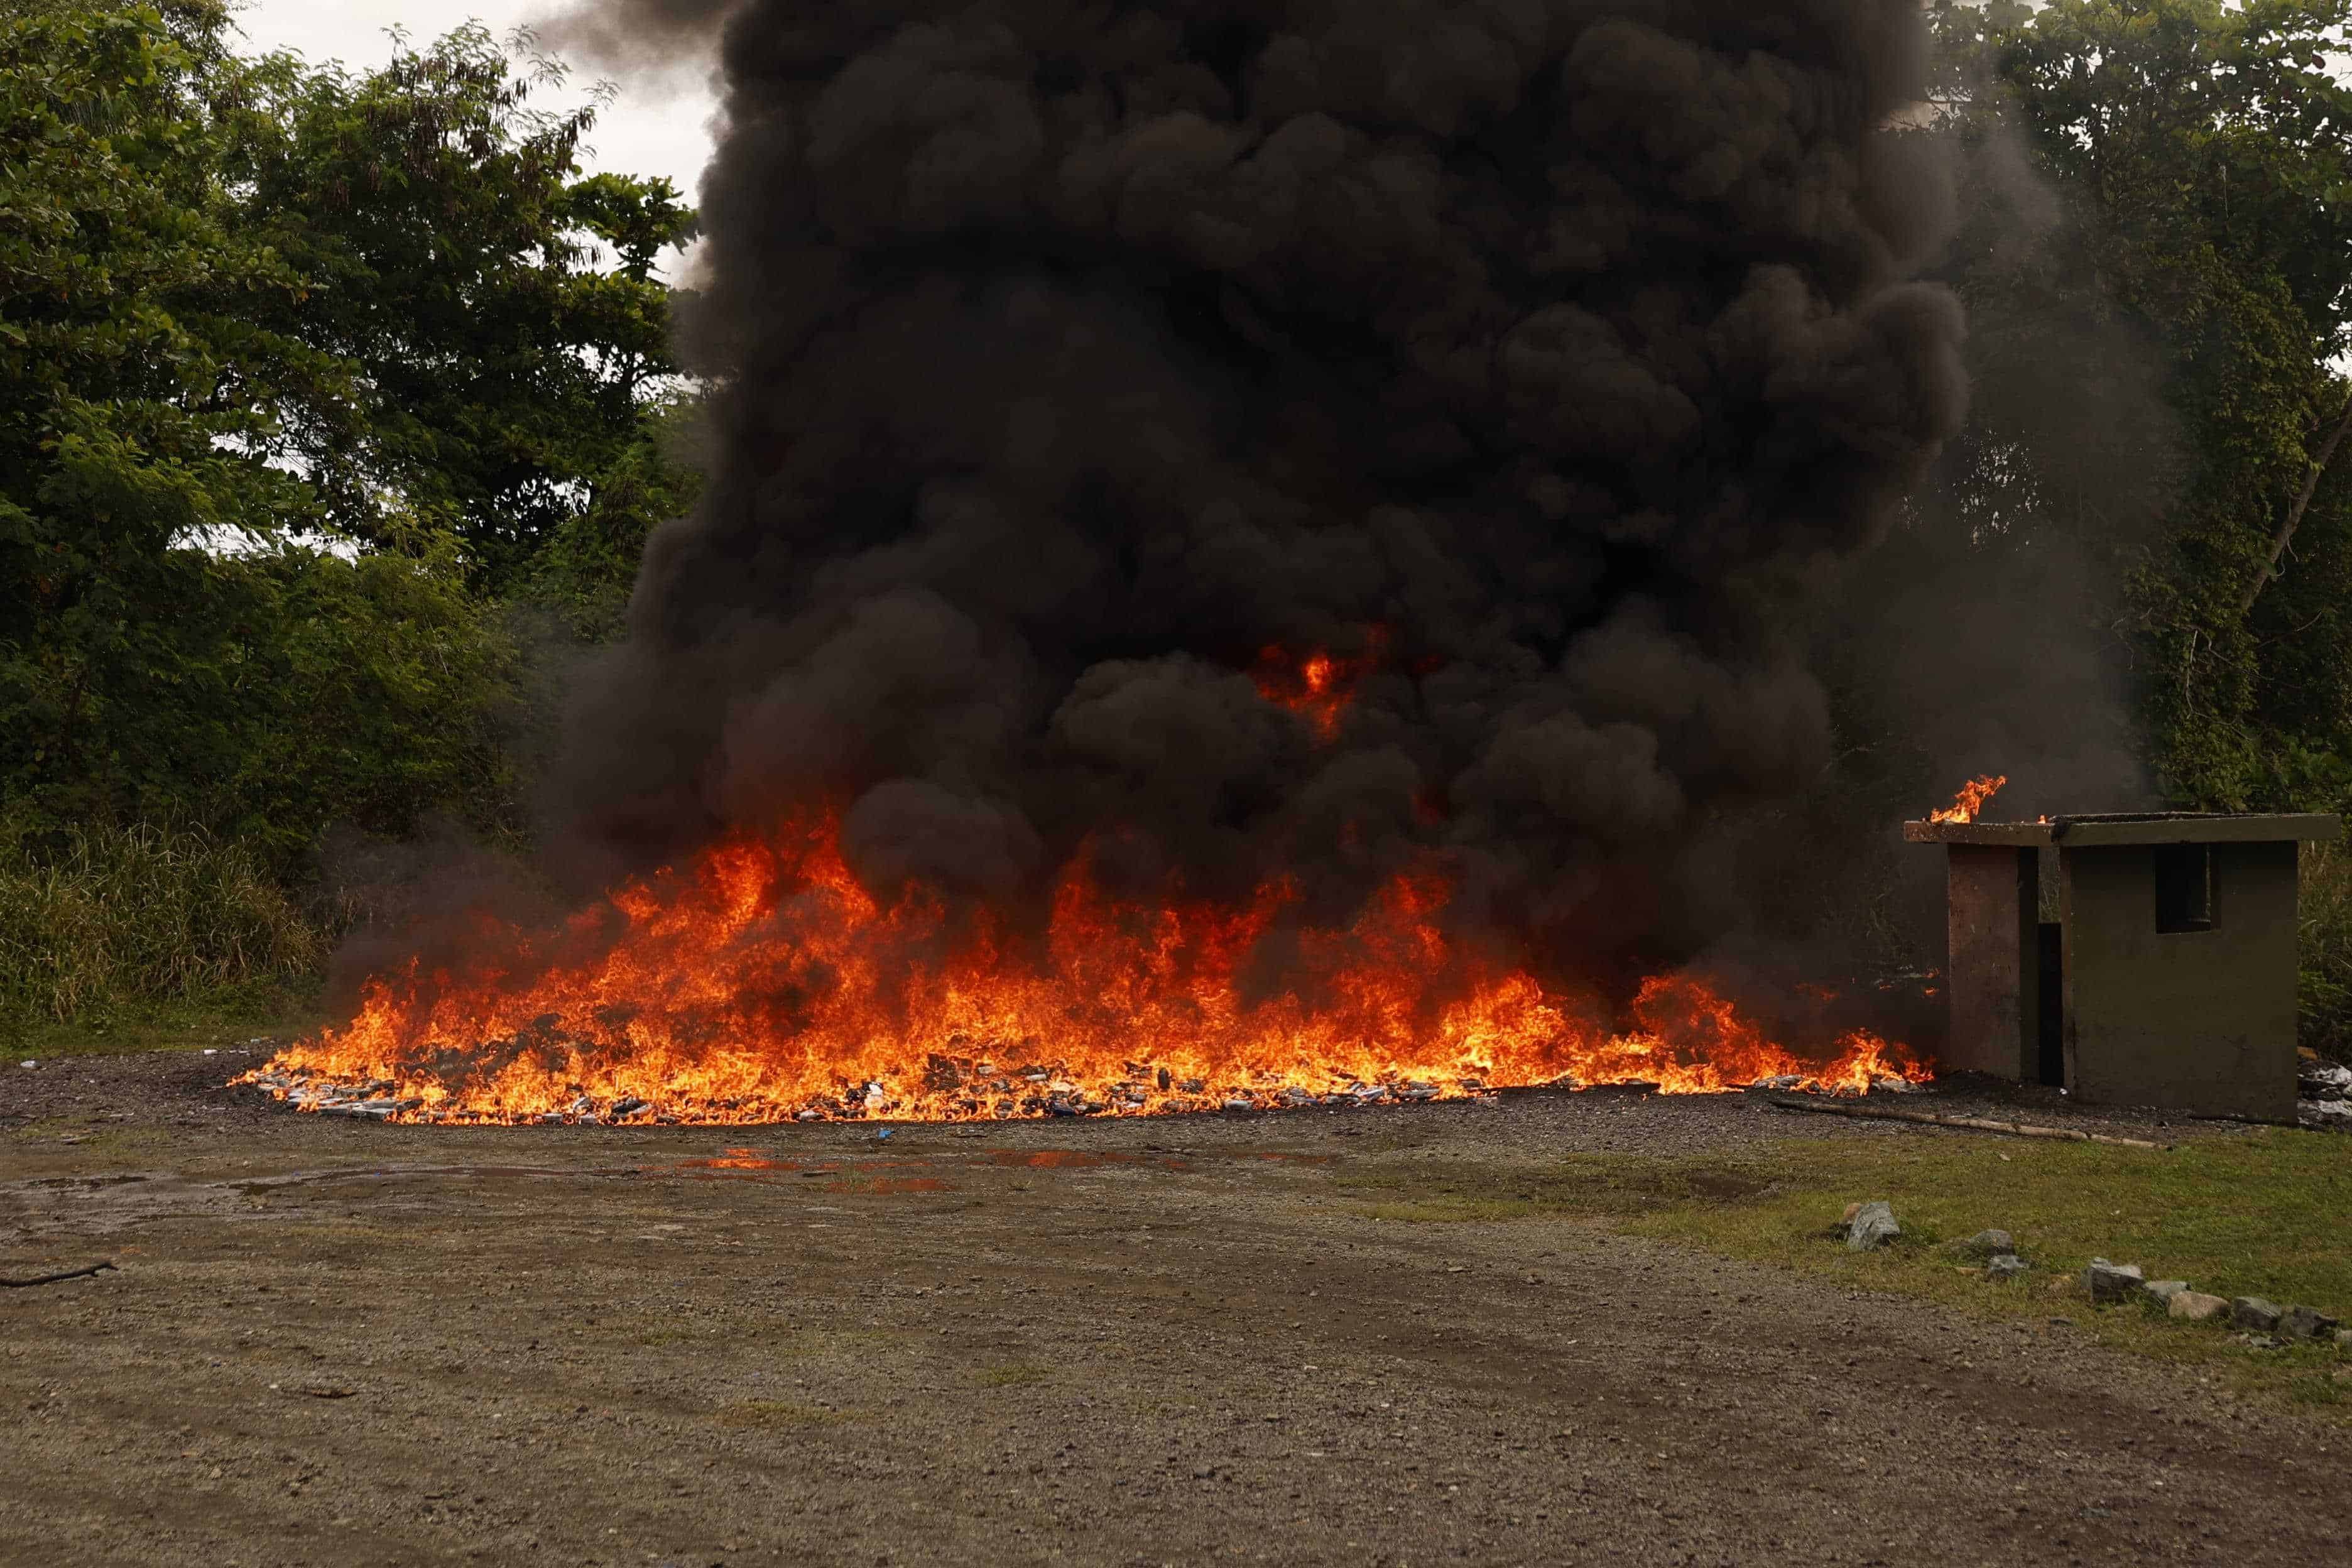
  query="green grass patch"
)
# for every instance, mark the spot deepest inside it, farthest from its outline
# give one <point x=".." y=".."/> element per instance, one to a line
<point x="2265" y="1214"/>
<point x="265" y="1011"/>
<point x="779" y="1412"/>
<point x="1012" y="1374"/>
<point x="136" y="931"/>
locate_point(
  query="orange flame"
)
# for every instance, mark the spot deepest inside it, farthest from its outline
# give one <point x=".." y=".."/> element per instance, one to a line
<point x="765" y="983"/>
<point x="1317" y="688"/>
<point x="1974" y="796"/>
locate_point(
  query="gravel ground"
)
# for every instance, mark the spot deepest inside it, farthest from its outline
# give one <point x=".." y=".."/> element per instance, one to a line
<point x="1110" y="1343"/>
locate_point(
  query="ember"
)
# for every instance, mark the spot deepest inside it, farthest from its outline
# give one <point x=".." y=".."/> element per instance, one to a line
<point x="766" y="984"/>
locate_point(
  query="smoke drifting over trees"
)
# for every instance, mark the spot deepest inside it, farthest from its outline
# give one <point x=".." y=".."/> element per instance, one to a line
<point x="1542" y="362"/>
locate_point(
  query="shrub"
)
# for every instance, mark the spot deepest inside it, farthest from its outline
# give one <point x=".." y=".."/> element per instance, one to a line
<point x="101" y="918"/>
<point x="275" y="693"/>
<point x="2325" y="918"/>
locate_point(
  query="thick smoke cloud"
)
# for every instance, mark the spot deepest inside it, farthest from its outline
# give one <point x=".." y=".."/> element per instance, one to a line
<point x="1541" y="360"/>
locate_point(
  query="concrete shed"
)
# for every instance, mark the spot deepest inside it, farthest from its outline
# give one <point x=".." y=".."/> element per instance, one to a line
<point x="2134" y="959"/>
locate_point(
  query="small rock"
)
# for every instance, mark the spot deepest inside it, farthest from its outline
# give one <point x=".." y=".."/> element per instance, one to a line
<point x="2163" y="1290"/>
<point x="2004" y="1265"/>
<point x="2344" y="1338"/>
<point x="2305" y="1323"/>
<point x="1988" y="1244"/>
<point x="2195" y="1306"/>
<point x="1238" y="1103"/>
<point x="2254" y="1312"/>
<point x="1872" y="1226"/>
<point x="2110" y="1282"/>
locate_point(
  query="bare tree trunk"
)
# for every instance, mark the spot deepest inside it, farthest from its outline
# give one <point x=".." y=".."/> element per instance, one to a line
<point x="2294" y="513"/>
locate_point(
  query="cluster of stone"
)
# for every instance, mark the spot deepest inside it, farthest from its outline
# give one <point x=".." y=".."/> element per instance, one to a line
<point x="2112" y="1284"/>
<point x="1866" y="1226"/>
<point x="2324" y="1095"/>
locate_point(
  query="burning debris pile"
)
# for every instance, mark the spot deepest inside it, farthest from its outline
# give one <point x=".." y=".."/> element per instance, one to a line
<point x="983" y="1091"/>
<point x="975" y="1090"/>
<point x="771" y="986"/>
<point x="1251" y="552"/>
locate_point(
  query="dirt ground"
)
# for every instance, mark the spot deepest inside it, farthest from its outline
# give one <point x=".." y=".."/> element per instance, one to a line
<point x="1158" y="1342"/>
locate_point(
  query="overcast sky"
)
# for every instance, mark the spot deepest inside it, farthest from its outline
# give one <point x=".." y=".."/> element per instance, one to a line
<point x="647" y="131"/>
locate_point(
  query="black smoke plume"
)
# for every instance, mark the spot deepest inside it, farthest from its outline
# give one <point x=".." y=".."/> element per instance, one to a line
<point x="1543" y="362"/>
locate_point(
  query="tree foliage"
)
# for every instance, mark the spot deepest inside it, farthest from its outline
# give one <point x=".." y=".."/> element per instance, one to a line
<point x="2158" y="259"/>
<point x="297" y="370"/>
<point x="500" y="314"/>
<point x="137" y="394"/>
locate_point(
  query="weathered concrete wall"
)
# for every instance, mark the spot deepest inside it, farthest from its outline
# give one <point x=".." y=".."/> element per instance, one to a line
<point x="1990" y="974"/>
<point x="2193" y="1020"/>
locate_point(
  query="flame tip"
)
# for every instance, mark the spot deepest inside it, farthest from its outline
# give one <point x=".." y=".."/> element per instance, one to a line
<point x="1973" y="797"/>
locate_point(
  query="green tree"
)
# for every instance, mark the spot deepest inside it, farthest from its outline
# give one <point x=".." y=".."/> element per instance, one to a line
<point x="136" y="396"/>
<point x="169" y="648"/>
<point x="509" y="334"/>
<point x="584" y="573"/>
<point x="2178" y="215"/>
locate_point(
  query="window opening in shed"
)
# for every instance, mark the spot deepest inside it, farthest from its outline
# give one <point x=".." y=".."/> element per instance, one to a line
<point x="2184" y="888"/>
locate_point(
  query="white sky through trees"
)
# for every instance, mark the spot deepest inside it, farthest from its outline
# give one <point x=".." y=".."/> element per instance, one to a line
<point x="652" y="128"/>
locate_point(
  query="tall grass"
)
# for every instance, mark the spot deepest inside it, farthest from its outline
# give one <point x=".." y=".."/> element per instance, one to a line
<point x="105" y="918"/>
<point x="2326" y="918"/>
